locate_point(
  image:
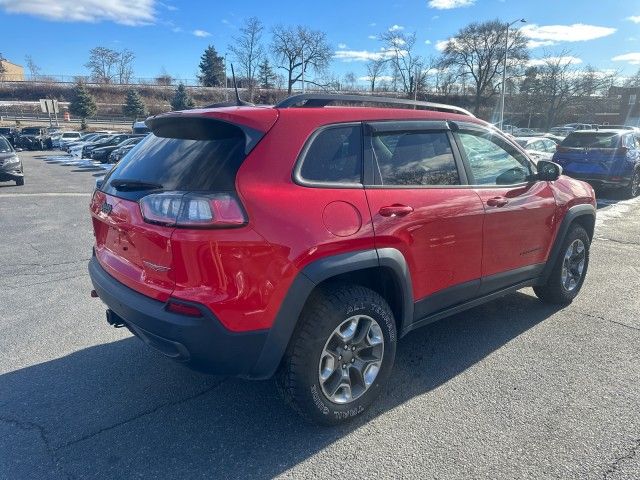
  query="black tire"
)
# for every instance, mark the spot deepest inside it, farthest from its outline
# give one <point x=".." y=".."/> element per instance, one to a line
<point x="298" y="377"/>
<point x="555" y="291"/>
<point x="20" y="182"/>
<point x="633" y="189"/>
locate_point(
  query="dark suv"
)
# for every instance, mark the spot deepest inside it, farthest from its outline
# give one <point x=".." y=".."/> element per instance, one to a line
<point x="303" y="241"/>
<point x="604" y="158"/>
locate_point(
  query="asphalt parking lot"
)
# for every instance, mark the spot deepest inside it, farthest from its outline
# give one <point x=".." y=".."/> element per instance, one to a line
<point x="512" y="389"/>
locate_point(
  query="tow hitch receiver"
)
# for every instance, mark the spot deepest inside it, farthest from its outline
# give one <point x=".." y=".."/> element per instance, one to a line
<point x="114" y="320"/>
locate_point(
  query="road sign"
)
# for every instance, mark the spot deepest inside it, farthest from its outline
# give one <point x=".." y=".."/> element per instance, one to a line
<point x="49" y="106"/>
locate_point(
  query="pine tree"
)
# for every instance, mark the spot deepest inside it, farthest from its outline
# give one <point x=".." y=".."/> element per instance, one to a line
<point x="134" y="107"/>
<point x="266" y="75"/>
<point x="182" y="100"/>
<point x="211" y="68"/>
<point x="83" y="105"/>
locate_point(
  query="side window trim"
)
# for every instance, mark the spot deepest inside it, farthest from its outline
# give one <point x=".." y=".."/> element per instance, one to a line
<point x="476" y="129"/>
<point x="372" y="181"/>
<point x="296" y="174"/>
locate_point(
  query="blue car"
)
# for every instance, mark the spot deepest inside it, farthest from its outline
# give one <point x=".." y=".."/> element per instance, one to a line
<point x="604" y="158"/>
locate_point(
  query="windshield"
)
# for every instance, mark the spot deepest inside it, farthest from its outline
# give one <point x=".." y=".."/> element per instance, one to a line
<point x="31" y="131"/>
<point x="4" y="146"/>
<point x="592" y="140"/>
<point x="522" y="143"/>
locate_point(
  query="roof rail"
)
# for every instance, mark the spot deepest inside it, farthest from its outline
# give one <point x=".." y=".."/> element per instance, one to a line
<point x="310" y="100"/>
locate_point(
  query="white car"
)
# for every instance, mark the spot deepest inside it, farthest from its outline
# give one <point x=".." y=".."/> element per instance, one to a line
<point x="538" y="148"/>
<point x="65" y="137"/>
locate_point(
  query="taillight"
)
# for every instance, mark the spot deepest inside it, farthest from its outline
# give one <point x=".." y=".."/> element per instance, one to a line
<point x="194" y="210"/>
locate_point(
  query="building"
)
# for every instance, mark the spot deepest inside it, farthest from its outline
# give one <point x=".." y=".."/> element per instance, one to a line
<point x="11" y="72"/>
<point x="629" y="104"/>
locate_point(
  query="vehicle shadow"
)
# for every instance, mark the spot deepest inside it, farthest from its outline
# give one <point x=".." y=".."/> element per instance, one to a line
<point x="119" y="409"/>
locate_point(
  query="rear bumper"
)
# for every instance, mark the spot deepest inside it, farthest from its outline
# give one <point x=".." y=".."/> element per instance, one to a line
<point x="601" y="180"/>
<point x="201" y="343"/>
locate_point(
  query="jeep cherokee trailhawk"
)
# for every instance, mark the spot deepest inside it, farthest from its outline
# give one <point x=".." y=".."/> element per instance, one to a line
<point x="303" y="240"/>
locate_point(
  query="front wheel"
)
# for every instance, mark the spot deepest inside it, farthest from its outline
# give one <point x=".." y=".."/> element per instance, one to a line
<point x="341" y="355"/>
<point x="569" y="271"/>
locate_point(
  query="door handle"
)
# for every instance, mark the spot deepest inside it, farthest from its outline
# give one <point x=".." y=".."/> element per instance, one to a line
<point x="395" y="210"/>
<point x="497" y="202"/>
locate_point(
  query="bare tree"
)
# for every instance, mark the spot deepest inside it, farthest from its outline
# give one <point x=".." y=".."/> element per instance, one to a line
<point x="125" y="66"/>
<point x="478" y="50"/>
<point x="164" y="78"/>
<point x="34" y="69"/>
<point x="633" y="81"/>
<point x="102" y="64"/>
<point x="299" y="50"/>
<point x="248" y="50"/>
<point x="399" y="48"/>
<point x="556" y="84"/>
<point x="375" y="69"/>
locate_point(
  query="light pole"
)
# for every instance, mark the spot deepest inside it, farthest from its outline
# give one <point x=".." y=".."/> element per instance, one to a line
<point x="504" y="70"/>
<point x="226" y="91"/>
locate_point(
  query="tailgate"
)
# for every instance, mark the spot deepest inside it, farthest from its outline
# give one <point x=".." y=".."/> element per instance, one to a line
<point x="134" y="252"/>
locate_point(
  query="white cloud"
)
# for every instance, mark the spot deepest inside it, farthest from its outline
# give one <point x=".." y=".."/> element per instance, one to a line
<point x="427" y="42"/>
<point x="342" y="46"/>
<point x="361" y="55"/>
<point x="631" y="58"/>
<point x="201" y="33"/>
<point x="634" y="18"/>
<point x="578" y="32"/>
<point x="539" y="43"/>
<point x="125" y="12"/>
<point x="372" y="37"/>
<point x="373" y="24"/>
<point x="449" y="4"/>
<point x="567" y="59"/>
<point x="441" y="45"/>
<point x="396" y="28"/>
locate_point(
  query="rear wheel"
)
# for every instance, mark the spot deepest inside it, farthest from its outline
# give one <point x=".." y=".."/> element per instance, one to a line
<point x="633" y="190"/>
<point x="569" y="271"/>
<point x="340" y="356"/>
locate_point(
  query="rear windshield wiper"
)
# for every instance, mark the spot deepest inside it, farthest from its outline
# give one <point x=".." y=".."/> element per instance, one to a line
<point x="122" y="184"/>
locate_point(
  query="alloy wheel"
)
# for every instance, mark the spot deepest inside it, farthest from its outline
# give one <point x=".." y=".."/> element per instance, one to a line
<point x="573" y="265"/>
<point x="351" y="359"/>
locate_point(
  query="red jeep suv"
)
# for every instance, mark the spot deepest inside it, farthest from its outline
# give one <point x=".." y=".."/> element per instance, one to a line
<point x="303" y="240"/>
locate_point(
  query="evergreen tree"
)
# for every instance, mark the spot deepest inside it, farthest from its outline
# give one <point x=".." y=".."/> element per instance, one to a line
<point x="82" y="104"/>
<point x="182" y="100"/>
<point x="266" y="75"/>
<point x="211" y="68"/>
<point x="134" y="107"/>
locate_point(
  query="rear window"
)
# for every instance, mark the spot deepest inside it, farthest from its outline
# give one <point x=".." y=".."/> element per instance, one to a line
<point x="591" y="140"/>
<point x="183" y="155"/>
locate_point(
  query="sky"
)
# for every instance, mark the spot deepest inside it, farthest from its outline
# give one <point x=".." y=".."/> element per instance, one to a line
<point x="172" y="34"/>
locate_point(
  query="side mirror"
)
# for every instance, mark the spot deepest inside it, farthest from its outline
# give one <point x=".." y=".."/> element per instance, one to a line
<point x="99" y="183"/>
<point x="548" y="171"/>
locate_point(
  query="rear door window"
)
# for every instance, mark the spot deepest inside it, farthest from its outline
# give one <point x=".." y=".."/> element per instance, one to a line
<point x="333" y="156"/>
<point x="414" y="158"/>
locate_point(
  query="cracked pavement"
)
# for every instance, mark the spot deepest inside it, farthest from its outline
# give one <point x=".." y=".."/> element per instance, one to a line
<point x="512" y="389"/>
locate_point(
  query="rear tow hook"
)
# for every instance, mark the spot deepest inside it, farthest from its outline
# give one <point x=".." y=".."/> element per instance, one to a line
<point x="114" y="320"/>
